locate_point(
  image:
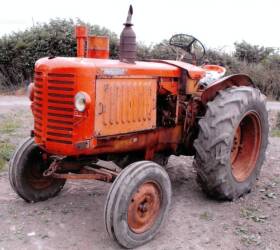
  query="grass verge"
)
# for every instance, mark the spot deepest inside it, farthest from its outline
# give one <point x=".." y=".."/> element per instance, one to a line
<point x="9" y="125"/>
<point x="275" y="132"/>
<point x="6" y="150"/>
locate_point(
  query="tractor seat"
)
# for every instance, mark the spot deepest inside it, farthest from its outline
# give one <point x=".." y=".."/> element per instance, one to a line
<point x="212" y="74"/>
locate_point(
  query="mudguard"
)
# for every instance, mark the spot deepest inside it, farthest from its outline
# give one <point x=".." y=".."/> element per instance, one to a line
<point x="226" y="82"/>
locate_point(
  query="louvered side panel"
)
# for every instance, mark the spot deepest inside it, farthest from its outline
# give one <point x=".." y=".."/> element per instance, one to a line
<point x="125" y="105"/>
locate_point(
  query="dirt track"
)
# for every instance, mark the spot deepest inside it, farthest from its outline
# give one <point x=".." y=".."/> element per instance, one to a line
<point x="74" y="219"/>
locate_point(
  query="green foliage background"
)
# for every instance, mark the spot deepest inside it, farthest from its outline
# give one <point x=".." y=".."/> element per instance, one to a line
<point x="19" y="51"/>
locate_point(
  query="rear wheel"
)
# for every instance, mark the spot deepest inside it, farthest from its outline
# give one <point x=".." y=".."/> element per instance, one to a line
<point x="137" y="203"/>
<point x="26" y="174"/>
<point x="230" y="148"/>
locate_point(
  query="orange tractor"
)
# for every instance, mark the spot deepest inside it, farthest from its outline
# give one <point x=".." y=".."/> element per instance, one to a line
<point x="90" y="109"/>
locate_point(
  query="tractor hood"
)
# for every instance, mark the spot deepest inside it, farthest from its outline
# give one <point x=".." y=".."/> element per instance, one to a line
<point x="106" y="67"/>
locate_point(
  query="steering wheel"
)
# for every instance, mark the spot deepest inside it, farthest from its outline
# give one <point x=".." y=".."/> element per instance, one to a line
<point x="185" y="44"/>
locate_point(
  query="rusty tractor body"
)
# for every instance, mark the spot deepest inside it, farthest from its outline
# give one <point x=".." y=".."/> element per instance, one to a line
<point x="136" y="114"/>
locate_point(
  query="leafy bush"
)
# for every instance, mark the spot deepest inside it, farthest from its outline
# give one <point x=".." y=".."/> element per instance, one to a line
<point x="251" y="53"/>
<point x="265" y="74"/>
<point x="19" y="51"/>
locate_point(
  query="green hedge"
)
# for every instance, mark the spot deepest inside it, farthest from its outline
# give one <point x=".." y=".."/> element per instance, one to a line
<point x="20" y="50"/>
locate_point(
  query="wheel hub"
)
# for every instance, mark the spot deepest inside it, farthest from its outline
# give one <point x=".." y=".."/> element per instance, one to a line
<point x="246" y="146"/>
<point x="237" y="146"/>
<point x="144" y="207"/>
<point x="36" y="179"/>
<point x="34" y="172"/>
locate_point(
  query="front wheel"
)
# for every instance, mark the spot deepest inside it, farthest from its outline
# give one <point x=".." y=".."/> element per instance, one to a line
<point x="230" y="148"/>
<point x="26" y="174"/>
<point x="137" y="203"/>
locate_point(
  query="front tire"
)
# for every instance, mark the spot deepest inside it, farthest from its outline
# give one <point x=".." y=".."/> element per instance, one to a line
<point x="137" y="203"/>
<point x="26" y="174"/>
<point x="230" y="148"/>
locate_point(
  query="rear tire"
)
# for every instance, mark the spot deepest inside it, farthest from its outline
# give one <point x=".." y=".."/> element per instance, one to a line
<point x="26" y="174"/>
<point x="230" y="148"/>
<point x="137" y="204"/>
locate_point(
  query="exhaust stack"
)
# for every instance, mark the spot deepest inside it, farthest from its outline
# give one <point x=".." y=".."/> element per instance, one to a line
<point x="81" y="36"/>
<point x="127" y="52"/>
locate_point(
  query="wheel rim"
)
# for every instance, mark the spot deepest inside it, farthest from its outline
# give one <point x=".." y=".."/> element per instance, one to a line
<point x="34" y="173"/>
<point x="144" y="207"/>
<point x="246" y="146"/>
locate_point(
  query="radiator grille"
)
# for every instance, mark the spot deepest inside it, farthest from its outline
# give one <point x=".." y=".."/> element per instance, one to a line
<point x="60" y="110"/>
<point x="38" y="105"/>
<point x="54" y="107"/>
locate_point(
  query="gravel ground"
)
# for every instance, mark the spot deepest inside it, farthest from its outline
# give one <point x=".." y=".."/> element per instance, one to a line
<point x="74" y="219"/>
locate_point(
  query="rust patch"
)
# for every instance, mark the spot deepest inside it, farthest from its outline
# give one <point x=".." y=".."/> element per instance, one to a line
<point x="144" y="207"/>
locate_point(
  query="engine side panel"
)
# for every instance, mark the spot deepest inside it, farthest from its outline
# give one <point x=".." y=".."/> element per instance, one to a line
<point x="125" y="105"/>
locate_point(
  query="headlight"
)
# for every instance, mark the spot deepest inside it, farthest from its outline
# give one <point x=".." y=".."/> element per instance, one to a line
<point x="30" y="91"/>
<point x="82" y="100"/>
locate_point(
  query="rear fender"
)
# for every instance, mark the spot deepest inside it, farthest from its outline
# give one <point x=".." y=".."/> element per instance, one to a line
<point x="224" y="83"/>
